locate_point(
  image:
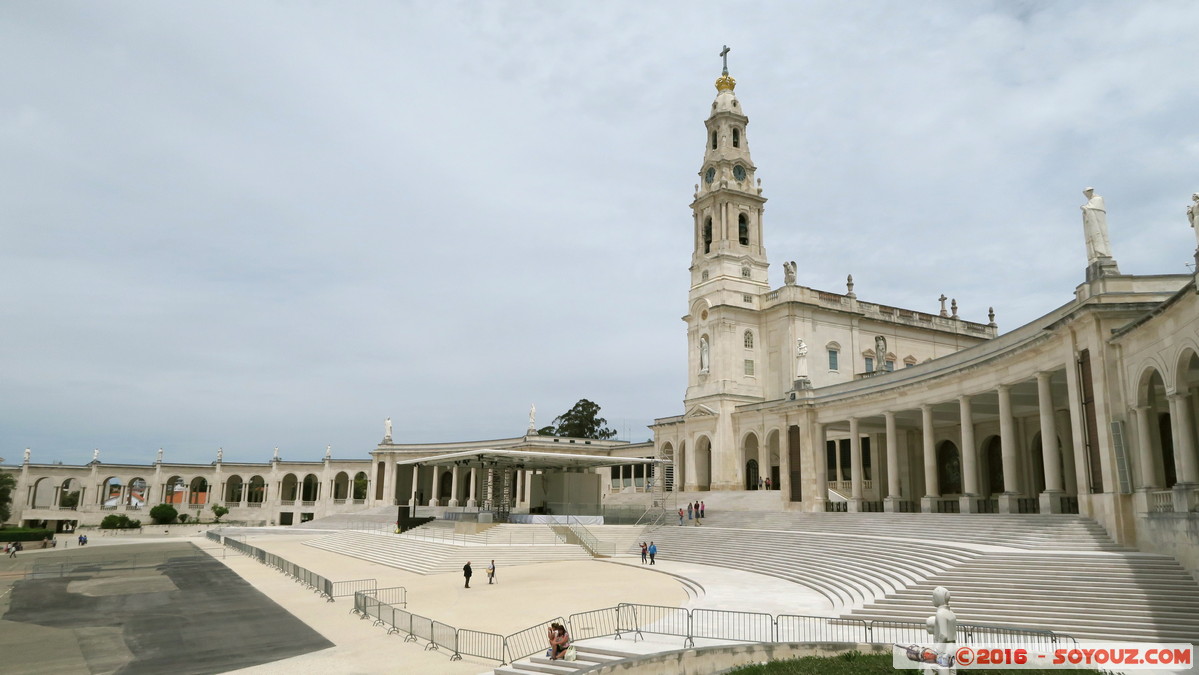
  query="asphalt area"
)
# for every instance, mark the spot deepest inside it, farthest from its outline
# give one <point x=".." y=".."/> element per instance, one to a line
<point x="158" y="614"/>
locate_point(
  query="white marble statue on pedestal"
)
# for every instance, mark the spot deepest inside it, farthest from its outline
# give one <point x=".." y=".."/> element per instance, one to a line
<point x="96" y="455"/>
<point x="328" y="452"/>
<point x="26" y="455"/>
<point x="275" y="458"/>
<point x="1193" y="216"/>
<point x="1094" y="227"/>
<point x="789" y="273"/>
<point x="880" y="353"/>
<point x="703" y="355"/>
<point x="387" y="429"/>
<point x="532" y="418"/>
<point x="159" y="460"/>
<point x="801" y="360"/>
<point x="220" y="455"/>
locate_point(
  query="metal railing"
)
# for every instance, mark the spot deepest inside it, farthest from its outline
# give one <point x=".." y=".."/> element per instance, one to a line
<point x="326" y="588"/>
<point x="637" y="619"/>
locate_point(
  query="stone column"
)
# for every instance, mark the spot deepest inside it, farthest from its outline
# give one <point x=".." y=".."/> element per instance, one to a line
<point x="820" y="459"/>
<point x="433" y="500"/>
<point x="415" y="484"/>
<point x="454" y="486"/>
<point x="470" y="499"/>
<point x="855" y="466"/>
<point x="1066" y="433"/>
<point x="1051" y="458"/>
<point x="969" y="447"/>
<point x="894" y="489"/>
<point x="1184" y="438"/>
<point x="932" y="489"/>
<point x="389" y="481"/>
<point x="1145" y="449"/>
<point x="1007" y="443"/>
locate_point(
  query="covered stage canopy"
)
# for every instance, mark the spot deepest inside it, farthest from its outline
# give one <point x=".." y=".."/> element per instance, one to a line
<point x="523" y="460"/>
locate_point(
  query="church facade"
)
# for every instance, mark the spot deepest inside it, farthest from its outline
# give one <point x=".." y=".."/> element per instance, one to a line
<point x="842" y="404"/>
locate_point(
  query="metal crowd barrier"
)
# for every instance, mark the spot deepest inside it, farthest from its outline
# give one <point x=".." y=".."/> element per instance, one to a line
<point x="324" y="587"/>
<point x="637" y="619"/>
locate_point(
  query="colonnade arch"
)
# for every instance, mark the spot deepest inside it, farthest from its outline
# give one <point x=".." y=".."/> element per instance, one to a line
<point x="703" y="463"/>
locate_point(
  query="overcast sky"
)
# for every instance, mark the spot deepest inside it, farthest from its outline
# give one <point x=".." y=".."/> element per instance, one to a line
<point x="248" y="225"/>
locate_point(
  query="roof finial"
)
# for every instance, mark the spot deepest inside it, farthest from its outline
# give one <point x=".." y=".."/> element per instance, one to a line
<point x="724" y="82"/>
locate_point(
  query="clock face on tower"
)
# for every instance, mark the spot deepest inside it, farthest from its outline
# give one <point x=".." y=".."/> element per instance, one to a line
<point x="710" y="175"/>
<point x="739" y="172"/>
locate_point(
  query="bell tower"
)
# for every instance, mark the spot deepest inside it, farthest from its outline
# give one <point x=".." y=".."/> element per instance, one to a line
<point x="728" y="259"/>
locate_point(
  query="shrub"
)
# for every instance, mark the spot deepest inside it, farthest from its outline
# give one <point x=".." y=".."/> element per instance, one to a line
<point x="119" y="521"/>
<point x="183" y="517"/>
<point x="163" y="514"/>
<point x="219" y="511"/>
<point x="25" y="534"/>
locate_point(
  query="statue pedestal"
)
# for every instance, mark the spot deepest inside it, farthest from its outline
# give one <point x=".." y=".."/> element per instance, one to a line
<point x="1051" y="501"/>
<point x="891" y="504"/>
<point x="470" y="503"/>
<point x="1102" y="267"/>
<point x="968" y="504"/>
<point x="1009" y="502"/>
<point x="928" y="504"/>
<point x="854" y="505"/>
<point x="452" y="503"/>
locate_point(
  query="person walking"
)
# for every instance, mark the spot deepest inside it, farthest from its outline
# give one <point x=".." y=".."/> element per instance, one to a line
<point x="703" y="510"/>
<point x="491" y="573"/>
<point x="680" y="517"/>
<point x="688" y="510"/>
<point x="653" y="551"/>
<point x="644" y="553"/>
<point x="466" y="572"/>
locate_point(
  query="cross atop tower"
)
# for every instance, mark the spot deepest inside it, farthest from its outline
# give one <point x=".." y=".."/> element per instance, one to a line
<point x="724" y="54"/>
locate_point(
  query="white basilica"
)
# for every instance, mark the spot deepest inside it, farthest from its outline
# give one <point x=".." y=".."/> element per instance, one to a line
<point x="834" y="403"/>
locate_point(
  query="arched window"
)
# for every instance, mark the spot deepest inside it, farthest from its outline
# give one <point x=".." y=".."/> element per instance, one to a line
<point x="749" y="339"/>
<point x="736" y="138"/>
<point x="743" y="229"/>
<point x="713" y="140"/>
<point x="707" y="235"/>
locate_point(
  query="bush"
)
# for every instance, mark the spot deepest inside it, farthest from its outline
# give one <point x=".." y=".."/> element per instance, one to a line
<point x="219" y="511"/>
<point x="163" y="514"/>
<point x="25" y="534"/>
<point x="183" y="517"/>
<point x="119" y="521"/>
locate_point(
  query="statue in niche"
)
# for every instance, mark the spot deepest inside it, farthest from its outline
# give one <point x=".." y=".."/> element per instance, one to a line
<point x="387" y="428"/>
<point x="789" y="273"/>
<point x="703" y="354"/>
<point x="801" y="360"/>
<point x="1193" y="215"/>
<point x="1094" y="226"/>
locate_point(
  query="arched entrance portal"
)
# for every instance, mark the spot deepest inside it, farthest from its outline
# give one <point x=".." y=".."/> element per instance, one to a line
<point x="949" y="468"/>
<point x="703" y="464"/>
<point x="751" y="475"/>
<point x="993" y="466"/>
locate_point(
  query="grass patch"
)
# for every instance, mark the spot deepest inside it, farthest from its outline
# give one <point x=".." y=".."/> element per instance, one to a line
<point x="857" y="663"/>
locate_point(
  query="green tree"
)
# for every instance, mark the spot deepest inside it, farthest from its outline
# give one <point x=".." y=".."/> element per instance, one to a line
<point x="70" y="500"/>
<point x="163" y="514"/>
<point x="581" y="421"/>
<point x="219" y="511"/>
<point x="7" y="485"/>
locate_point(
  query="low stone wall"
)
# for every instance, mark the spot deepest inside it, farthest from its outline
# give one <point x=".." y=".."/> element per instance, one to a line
<point x="1174" y="534"/>
<point x="719" y="659"/>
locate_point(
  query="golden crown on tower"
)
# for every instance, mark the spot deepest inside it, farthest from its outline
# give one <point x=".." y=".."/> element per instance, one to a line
<point x="725" y="83"/>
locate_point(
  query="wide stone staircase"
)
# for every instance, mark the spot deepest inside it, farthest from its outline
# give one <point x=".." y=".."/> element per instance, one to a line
<point x="1054" y="572"/>
<point x="1103" y="596"/>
